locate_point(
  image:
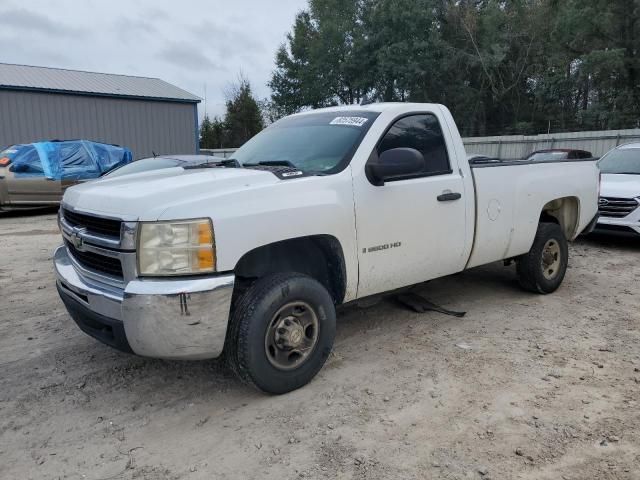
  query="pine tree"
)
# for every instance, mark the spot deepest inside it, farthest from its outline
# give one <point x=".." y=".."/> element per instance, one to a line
<point x="212" y="133"/>
<point x="243" y="118"/>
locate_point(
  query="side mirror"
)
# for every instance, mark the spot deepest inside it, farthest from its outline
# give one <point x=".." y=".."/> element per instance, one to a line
<point x="395" y="163"/>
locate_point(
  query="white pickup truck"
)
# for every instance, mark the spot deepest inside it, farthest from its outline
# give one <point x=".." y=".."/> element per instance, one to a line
<point x="251" y="256"/>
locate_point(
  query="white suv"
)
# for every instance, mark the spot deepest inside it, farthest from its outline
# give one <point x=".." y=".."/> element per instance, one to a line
<point x="619" y="202"/>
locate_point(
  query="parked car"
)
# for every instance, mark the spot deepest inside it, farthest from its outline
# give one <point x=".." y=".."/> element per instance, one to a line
<point x="165" y="161"/>
<point x="37" y="174"/>
<point x="619" y="202"/>
<point x="323" y="208"/>
<point x="553" y="154"/>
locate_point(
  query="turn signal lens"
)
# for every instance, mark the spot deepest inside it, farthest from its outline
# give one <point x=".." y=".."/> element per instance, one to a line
<point x="206" y="259"/>
<point x="4" y="161"/>
<point x="205" y="234"/>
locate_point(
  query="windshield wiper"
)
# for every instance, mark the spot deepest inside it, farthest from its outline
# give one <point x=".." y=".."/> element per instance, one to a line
<point x="273" y="163"/>
<point x="229" y="163"/>
<point x="283" y="163"/>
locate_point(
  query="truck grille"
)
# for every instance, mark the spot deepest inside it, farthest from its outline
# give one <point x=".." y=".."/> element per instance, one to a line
<point x="95" y="225"/>
<point x="616" y="207"/>
<point x="93" y="261"/>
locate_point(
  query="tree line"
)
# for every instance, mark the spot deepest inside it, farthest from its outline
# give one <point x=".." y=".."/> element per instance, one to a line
<point x="501" y="66"/>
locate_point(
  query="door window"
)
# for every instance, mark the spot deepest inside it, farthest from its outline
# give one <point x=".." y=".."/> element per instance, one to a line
<point x="423" y="133"/>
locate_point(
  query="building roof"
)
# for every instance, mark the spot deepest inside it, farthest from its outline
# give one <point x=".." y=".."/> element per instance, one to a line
<point x="25" y="77"/>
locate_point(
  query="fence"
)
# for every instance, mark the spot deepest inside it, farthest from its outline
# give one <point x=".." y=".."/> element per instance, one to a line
<point x="519" y="146"/>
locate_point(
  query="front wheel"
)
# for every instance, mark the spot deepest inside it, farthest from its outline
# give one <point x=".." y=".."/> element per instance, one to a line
<point x="543" y="268"/>
<point x="281" y="332"/>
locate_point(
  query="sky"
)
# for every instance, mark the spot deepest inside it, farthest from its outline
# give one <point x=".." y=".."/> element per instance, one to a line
<point x="189" y="43"/>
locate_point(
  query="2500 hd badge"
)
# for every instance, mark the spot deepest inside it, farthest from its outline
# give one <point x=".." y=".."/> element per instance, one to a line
<point x="378" y="248"/>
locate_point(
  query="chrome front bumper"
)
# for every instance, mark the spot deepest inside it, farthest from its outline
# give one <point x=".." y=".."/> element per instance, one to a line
<point x="172" y="319"/>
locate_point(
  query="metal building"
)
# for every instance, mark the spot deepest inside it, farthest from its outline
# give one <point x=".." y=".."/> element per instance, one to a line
<point x="147" y="115"/>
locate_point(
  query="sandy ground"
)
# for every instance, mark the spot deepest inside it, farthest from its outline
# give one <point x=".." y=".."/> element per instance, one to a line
<point x="544" y="388"/>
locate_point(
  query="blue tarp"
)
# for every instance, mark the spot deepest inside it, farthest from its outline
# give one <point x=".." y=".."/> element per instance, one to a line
<point x="72" y="159"/>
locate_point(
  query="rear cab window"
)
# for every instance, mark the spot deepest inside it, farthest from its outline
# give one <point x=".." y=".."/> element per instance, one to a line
<point x="548" y="156"/>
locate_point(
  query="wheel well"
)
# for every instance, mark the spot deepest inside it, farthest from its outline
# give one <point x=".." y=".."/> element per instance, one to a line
<point x="319" y="256"/>
<point x="565" y="212"/>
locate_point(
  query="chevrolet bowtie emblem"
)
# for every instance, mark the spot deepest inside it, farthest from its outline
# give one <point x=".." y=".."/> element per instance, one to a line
<point x="76" y="238"/>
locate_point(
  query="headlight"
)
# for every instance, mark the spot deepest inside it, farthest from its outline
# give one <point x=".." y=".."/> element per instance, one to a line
<point x="176" y="248"/>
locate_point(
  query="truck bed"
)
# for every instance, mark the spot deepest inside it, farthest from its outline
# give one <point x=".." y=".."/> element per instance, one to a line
<point x="510" y="196"/>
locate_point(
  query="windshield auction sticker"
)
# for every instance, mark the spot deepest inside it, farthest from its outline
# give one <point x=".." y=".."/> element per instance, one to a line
<point x="351" y="121"/>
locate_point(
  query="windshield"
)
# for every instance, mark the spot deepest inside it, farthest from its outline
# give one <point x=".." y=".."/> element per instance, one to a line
<point x="547" y="156"/>
<point x="314" y="143"/>
<point x="621" y="161"/>
<point x="144" y="165"/>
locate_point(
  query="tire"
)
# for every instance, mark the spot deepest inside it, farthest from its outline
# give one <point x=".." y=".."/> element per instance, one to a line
<point x="256" y="348"/>
<point x="543" y="268"/>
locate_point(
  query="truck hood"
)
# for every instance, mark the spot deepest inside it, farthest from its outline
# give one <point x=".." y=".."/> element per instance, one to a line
<point x="144" y="196"/>
<point x="620" y="186"/>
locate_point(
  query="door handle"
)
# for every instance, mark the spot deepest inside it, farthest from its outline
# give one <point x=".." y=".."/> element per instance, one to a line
<point x="448" y="197"/>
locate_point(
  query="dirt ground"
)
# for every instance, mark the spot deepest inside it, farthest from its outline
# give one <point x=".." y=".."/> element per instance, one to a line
<point x="522" y="387"/>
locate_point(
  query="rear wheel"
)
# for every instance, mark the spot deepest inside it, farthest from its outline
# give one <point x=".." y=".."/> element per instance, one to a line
<point x="543" y="268"/>
<point x="281" y="332"/>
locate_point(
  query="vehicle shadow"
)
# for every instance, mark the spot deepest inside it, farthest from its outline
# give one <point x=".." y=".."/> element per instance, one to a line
<point x="35" y="212"/>
<point x="624" y="242"/>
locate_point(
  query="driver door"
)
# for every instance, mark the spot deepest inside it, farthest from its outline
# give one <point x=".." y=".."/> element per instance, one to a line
<point x="413" y="229"/>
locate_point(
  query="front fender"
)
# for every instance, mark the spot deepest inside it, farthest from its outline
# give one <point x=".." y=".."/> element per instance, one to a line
<point x="244" y="220"/>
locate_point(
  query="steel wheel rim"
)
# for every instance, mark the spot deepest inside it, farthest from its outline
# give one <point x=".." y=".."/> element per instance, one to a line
<point x="292" y="335"/>
<point x="551" y="259"/>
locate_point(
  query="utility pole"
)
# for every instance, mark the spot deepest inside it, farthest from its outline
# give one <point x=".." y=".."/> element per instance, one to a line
<point x="205" y="99"/>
